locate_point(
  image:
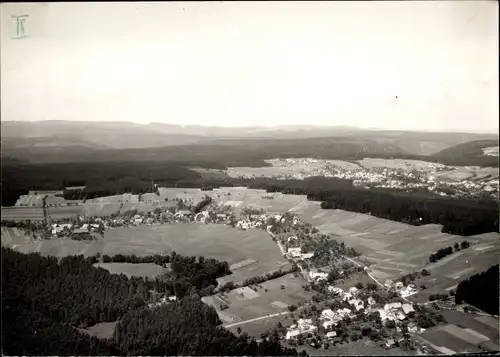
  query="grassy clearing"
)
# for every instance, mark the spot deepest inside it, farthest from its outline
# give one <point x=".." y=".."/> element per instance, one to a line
<point x="103" y="330"/>
<point x="149" y="270"/>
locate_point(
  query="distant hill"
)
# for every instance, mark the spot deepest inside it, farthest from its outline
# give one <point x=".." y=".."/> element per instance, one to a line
<point x="471" y="151"/>
<point x="68" y="141"/>
<point x="468" y="149"/>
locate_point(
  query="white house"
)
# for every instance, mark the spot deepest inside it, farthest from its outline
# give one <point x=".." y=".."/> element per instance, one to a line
<point x="407" y="308"/>
<point x="371" y="301"/>
<point x="331" y="335"/>
<point x="306" y="256"/>
<point x="344" y="312"/>
<point x="292" y="333"/>
<point x="294" y="252"/>
<point x="303" y="326"/>
<point x="328" y="313"/>
<point x="353" y="290"/>
<point x="383" y="314"/>
<point x="318" y="275"/>
<point x="328" y="323"/>
<point x="392" y="306"/>
<point x="408" y="291"/>
<point x="334" y="290"/>
<point x="347" y="296"/>
<point x="201" y="217"/>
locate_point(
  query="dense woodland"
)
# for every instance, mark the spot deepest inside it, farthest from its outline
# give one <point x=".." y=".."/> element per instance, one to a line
<point x="481" y="290"/>
<point x="461" y="217"/>
<point x="44" y="301"/>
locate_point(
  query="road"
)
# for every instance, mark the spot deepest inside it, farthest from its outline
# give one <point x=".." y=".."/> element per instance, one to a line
<point x="364" y="267"/>
<point x="256" y="319"/>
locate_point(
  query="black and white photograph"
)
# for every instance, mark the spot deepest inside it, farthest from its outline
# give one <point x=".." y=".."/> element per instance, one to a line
<point x="250" y="178"/>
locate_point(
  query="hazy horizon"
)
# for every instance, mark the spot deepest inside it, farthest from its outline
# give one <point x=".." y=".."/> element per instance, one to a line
<point x="420" y="66"/>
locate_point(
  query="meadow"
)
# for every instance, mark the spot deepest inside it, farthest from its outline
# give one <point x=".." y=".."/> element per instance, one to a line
<point x="267" y="298"/>
<point x="149" y="270"/>
<point x="393" y="249"/>
<point x="190" y="239"/>
<point x="464" y="333"/>
<point x="104" y="330"/>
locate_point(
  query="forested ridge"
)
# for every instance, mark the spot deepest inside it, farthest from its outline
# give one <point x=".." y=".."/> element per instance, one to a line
<point x="460" y="217"/>
<point x="481" y="290"/>
<point x="44" y="300"/>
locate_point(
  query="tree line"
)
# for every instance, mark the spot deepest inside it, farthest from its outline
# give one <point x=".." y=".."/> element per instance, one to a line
<point x="44" y="301"/>
<point x="487" y="284"/>
<point x="443" y="252"/>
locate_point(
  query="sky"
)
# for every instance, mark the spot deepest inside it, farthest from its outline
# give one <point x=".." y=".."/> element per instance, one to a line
<point x="406" y="65"/>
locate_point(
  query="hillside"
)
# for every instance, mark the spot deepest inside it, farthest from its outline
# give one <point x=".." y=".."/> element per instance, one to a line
<point x="471" y="152"/>
<point x="216" y="154"/>
<point x="127" y="135"/>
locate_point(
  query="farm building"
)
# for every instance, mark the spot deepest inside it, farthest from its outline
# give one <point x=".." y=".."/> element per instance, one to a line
<point x="303" y="326"/>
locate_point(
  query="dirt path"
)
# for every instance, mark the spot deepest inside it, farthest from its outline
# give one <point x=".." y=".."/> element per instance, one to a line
<point x="257" y="319"/>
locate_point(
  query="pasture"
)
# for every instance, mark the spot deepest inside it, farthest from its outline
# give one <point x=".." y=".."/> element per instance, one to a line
<point x="149" y="270"/>
<point x="251" y="303"/>
<point x="449" y="271"/>
<point x="464" y="333"/>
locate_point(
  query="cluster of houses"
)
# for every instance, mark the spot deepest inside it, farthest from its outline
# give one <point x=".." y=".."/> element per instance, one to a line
<point x="395" y="311"/>
<point x="162" y="301"/>
<point x="431" y="177"/>
<point x="404" y="291"/>
<point x="329" y="318"/>
<point x="77" y="228"/>
<point x="302" y="326"/>
<point x="296" y="253"/>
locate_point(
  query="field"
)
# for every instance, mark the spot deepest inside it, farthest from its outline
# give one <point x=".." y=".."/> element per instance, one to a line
<point x="371" y="163"/>
<point x="449" y="271"/>
<point x="13" y="237"/>
<point x="149" y="270"/>
<point x="36" y="213"/>
<point x="103" y="330"/>
<point x="247" y="303"/>
<point x="464" y="333"/>
<point x="356" y="348"/>
<point x="265" y="171"/>
<point x="216" y="241"/>
<point x="209" y="174"/>
<point x="393" y="249"/>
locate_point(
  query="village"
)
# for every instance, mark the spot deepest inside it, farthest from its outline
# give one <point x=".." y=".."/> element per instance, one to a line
<point x="337" y="314"/>
<point x="436" y="178"/>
